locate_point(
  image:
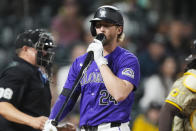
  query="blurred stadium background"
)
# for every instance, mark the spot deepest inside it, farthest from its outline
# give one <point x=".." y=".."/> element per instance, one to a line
<point x="159" y="32"/>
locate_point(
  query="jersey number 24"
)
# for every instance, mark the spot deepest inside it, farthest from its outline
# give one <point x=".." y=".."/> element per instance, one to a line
<point x="106" y="98"/>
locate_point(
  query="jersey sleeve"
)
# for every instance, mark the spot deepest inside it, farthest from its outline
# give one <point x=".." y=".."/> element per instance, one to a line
<point x="179" y="96"/>
<point x="12" y="84"/>
<point x="129" y="70"/>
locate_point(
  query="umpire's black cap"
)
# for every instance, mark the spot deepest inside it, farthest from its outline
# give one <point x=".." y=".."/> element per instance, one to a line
<point x="28" y="38"/>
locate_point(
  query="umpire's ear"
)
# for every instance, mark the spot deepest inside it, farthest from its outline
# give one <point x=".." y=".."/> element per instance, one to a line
<point x="25" y="48"/>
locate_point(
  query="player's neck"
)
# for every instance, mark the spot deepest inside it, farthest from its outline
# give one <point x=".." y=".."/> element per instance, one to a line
<point x="109" y="48"/>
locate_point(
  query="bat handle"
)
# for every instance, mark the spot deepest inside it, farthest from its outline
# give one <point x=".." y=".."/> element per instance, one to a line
<point x="90" y="57"/>
<point x="54" y="122"/>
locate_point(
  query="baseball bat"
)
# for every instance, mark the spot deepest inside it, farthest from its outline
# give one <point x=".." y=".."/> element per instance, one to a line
<point x="86" y="64"/>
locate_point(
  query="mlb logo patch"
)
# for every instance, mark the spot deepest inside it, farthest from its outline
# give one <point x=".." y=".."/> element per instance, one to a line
<point x="128" y="72"/>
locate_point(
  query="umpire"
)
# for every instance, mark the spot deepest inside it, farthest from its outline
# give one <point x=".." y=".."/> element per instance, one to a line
<point x="25" y="96"/>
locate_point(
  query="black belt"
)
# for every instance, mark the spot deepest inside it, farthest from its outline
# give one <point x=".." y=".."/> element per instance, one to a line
<point x="95" y="128"/>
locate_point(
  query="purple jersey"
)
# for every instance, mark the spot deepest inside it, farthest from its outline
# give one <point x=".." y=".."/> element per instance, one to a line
<point x="97" y="105"/>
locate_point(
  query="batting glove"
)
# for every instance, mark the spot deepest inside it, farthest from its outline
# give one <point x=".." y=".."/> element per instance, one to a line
<point x="49" y="127"/>
<point x="97" y="48"/>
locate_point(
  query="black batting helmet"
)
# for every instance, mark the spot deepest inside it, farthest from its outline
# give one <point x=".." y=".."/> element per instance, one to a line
<point x="42" y="41"/>
<point x="109" y="14"/>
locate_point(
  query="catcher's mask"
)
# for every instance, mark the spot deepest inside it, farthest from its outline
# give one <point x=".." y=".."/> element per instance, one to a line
<point x="42" y="41"/>
<point x="192" y="56"/>
<point x="109" y="14"/>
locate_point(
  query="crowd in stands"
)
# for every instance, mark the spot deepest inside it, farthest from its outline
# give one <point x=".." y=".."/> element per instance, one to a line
<point x="159" y="32"/>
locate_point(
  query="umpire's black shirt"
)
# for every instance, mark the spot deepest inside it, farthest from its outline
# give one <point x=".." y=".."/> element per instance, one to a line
<point x="23" y="85"/>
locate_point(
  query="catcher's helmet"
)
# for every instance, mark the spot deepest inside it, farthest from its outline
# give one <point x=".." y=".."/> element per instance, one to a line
<point x="42" y="41"/>
<point x="192" y="56"/>
<point x="109" y="14"/>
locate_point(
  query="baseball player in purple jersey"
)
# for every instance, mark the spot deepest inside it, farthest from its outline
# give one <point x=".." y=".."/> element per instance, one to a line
<point x="107" y="87"/>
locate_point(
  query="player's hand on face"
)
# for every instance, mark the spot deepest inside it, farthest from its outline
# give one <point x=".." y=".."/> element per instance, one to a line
<point x="97" y="48"/>
<point x="38" y="122"/>
<point x="48" y="126"/>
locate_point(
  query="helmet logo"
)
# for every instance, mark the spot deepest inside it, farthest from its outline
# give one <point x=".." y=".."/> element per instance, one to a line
<point x="102" y="13"/>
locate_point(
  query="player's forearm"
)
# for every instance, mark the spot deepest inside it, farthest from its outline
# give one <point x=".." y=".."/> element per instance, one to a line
<point x="9" y="112"/>
<point x="117" y="87"/>
<point x="166" y="117"/>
